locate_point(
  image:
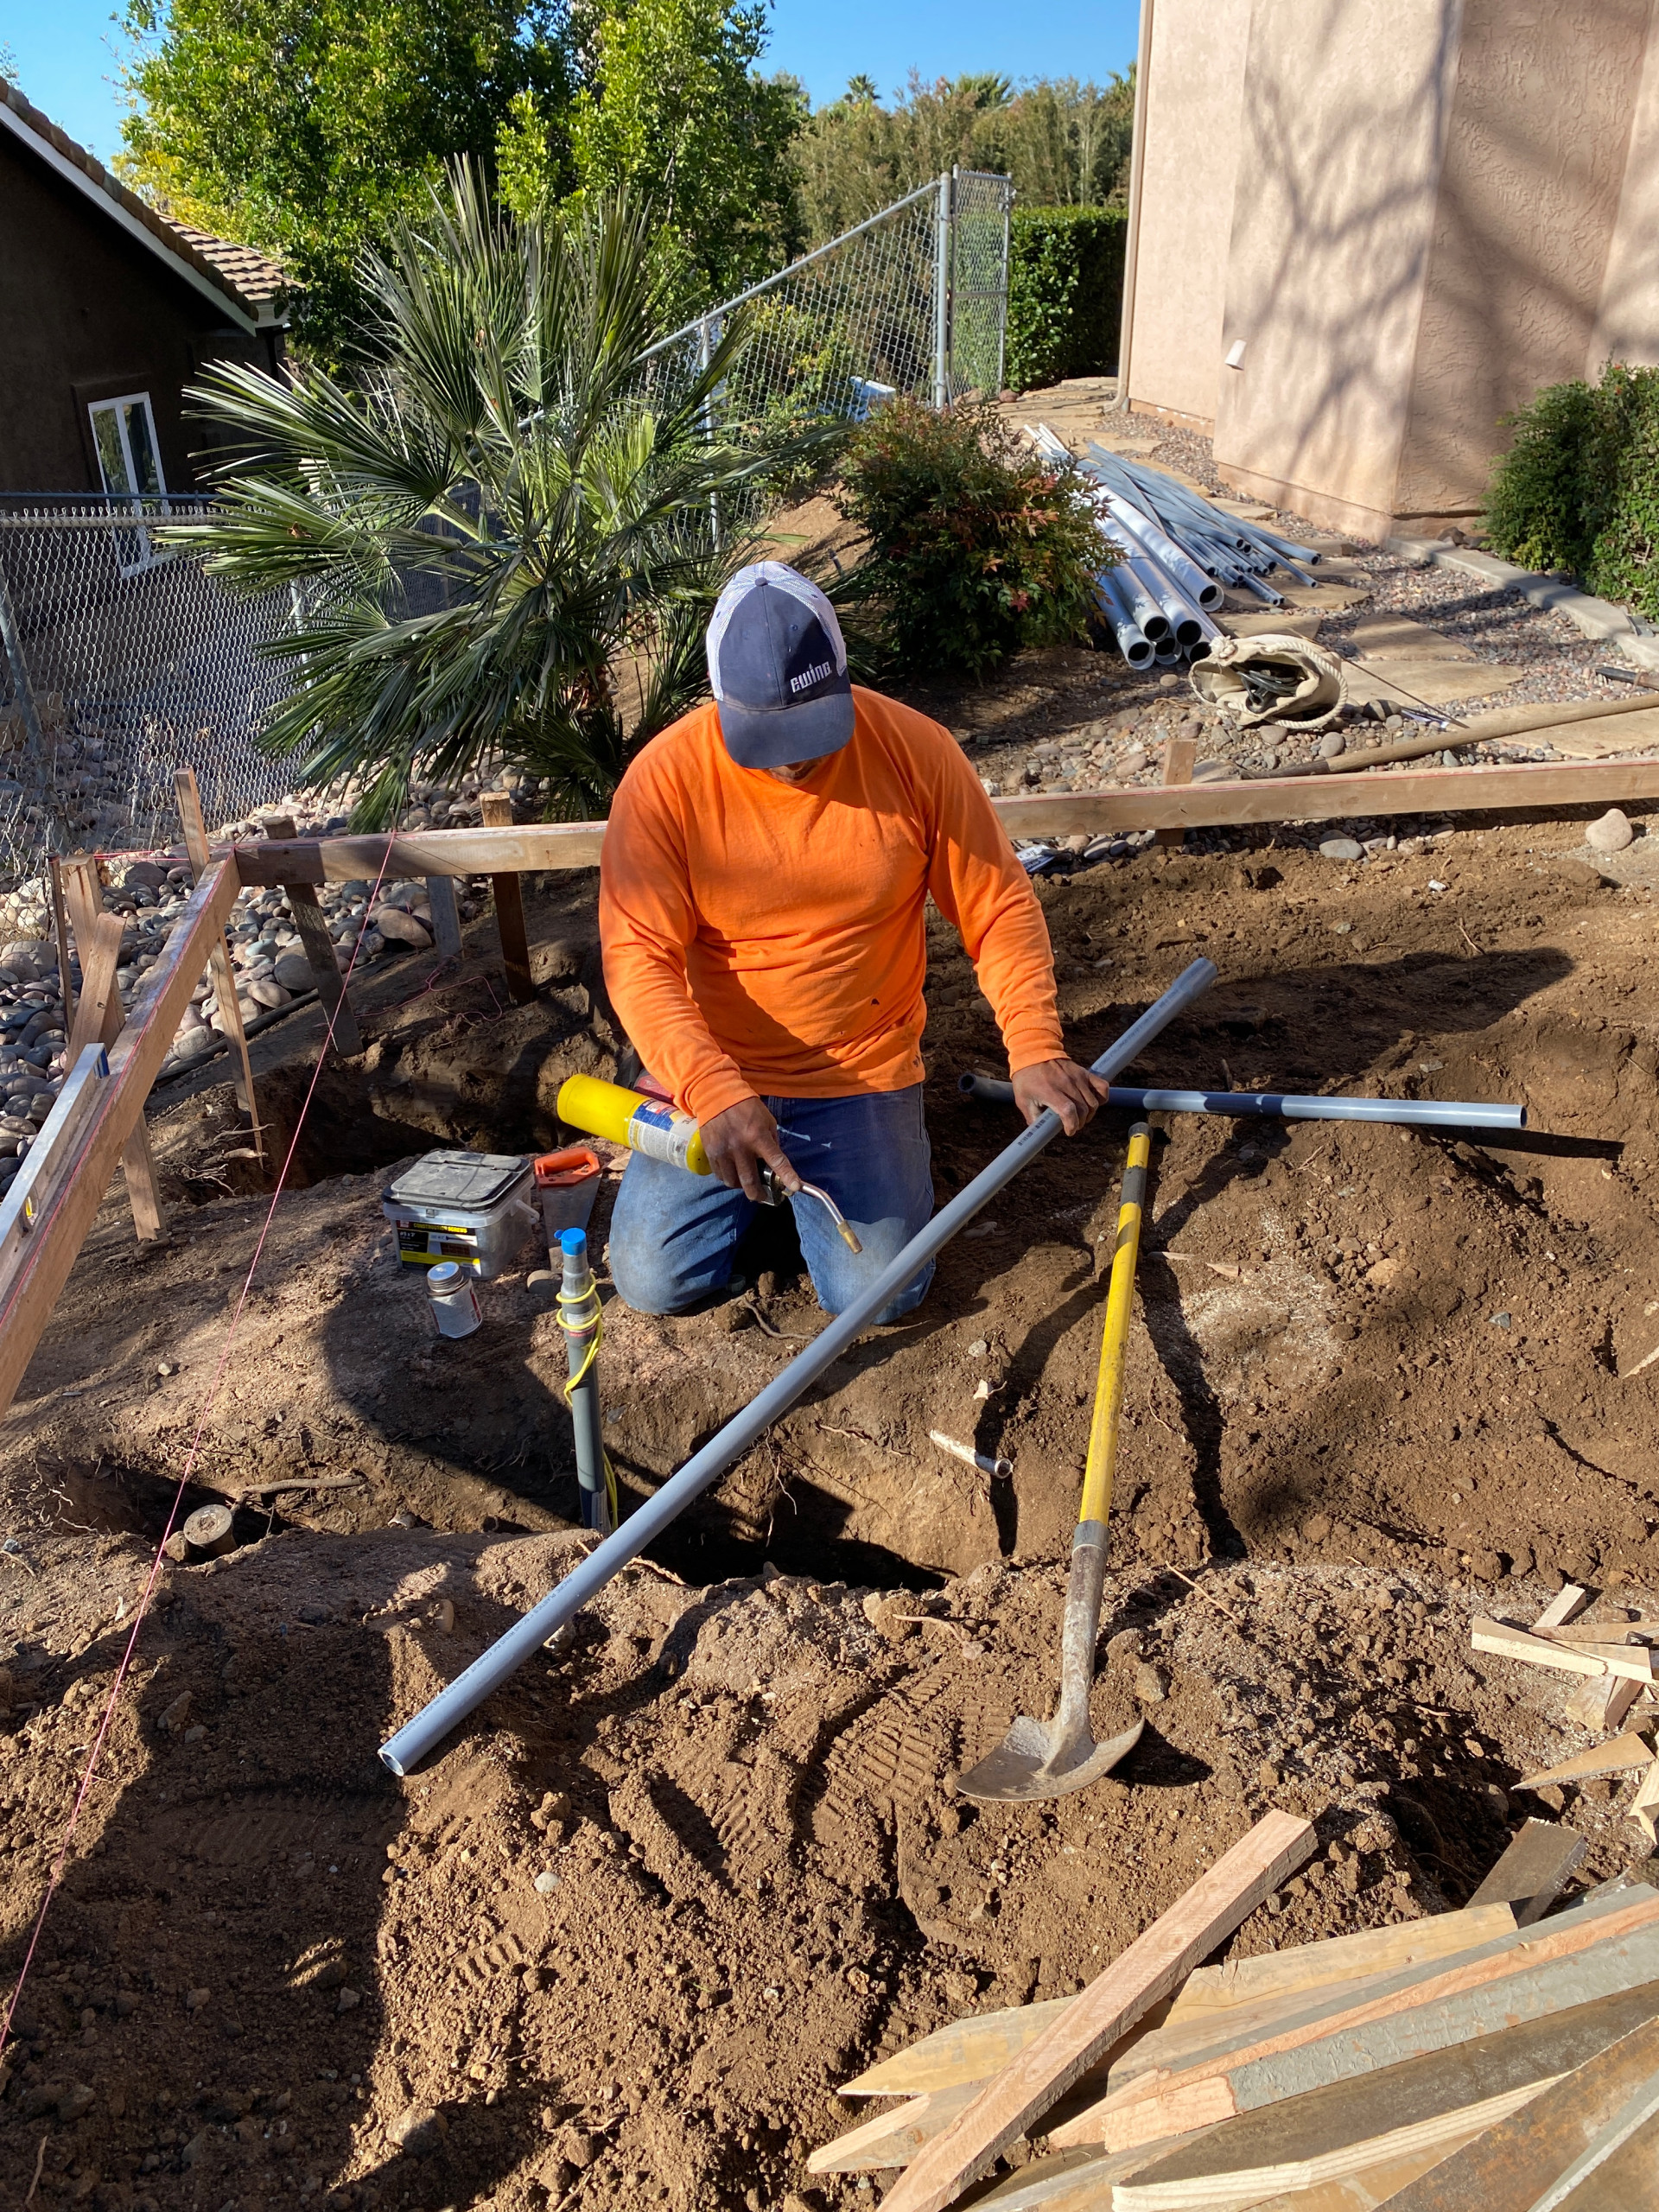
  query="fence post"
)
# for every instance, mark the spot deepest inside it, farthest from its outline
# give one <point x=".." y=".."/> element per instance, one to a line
<point x="943" y="238"/>
<point x="1007" y="275"/>
<point x="21" y="688"/>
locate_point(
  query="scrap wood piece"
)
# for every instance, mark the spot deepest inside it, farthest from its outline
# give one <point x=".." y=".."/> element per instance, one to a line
<point x="188" y="800"/>
<point x="1596" y="1633"/>
<point x="1533" y="1869"/>
<point x="1619" y="2171"/>
<point x="1618" y="1756"/>
<point x="1590" y="1953"/>
<point x="1030" y="2083"/>
<point x="1602" y="1703"/>
<point x="1066" y="2181"/>
<point x="1503" y="2169"/>
<point x="1566" y="1605"/>
<point x="1248" y="2185"/>
<point x="1365" y="2191"/>
<point x="1507" y="1642"/>
<point x="100" y="1019"/>
<point x="892" y="2138"/>
<point x="1644" y="1806"/>
<point x="1421" y="2093"/>
<point x="970" y="2050"/>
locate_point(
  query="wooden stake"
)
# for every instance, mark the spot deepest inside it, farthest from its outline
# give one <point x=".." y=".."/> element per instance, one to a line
<point x="195" y="844"/>
<point x="1644" y="1806"/>
<point x="60" y="924"/>
<point x="1566" y="1605"/>
<point x="1114" y="2001"/>
<point x="1619" y="1756"/>
<point x="1633" y="1659"/>
<point x="1602" y="1703"/>
<point x="99" y="1020"/>
<point x="307" y="910"/>
<point x="497" y="807"/>
<point x="1533" y="1869"/>
<point x="446" y="916"/>
<point x="1180" y="756"/>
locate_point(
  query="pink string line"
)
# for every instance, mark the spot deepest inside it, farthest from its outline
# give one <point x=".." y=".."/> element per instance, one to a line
<point x="55" y="1877"/>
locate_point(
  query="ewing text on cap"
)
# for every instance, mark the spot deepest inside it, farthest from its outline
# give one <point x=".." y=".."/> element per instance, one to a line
<point x="777" y="666"/>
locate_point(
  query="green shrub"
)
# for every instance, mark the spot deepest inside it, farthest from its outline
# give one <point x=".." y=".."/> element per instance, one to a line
<point x="976" y="545"/>
<point x="1579" y="488"/>
<point x="1066" y="293"/>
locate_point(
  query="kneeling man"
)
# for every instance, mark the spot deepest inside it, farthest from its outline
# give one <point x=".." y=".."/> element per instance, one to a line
<point x="766" y="870"/>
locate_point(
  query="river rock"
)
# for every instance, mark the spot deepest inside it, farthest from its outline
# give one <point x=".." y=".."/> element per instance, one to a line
<point x="293" y="971"/>
<point x="1332" y="745"/>
<point x="393" y="922"/>
<point x="419" y="2130"/>
<point x="1608" y="832"/>
<point x="269" y="991"/>
<point x="29" y="958"/>
<point x="1342" y="848"/>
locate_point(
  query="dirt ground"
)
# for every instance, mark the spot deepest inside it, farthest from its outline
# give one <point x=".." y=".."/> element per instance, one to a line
<point x="704" y="1860"/>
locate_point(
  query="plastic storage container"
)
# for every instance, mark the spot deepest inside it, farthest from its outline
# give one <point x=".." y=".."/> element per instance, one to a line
<point x="470" y="1207"/>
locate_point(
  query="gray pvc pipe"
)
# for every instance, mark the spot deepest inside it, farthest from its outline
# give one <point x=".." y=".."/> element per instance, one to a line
<point x="1182" y="570"/>
<point x="1132" y="640"/>
<point x="1422" y="1113"/>
<point x="526" y="1636"/>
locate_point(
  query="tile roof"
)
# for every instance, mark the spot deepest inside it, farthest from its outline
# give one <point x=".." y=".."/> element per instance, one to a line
<point x="243" y="275"/>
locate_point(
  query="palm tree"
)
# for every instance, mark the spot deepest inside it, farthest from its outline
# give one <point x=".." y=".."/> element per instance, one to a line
<point x="507" y="534"/>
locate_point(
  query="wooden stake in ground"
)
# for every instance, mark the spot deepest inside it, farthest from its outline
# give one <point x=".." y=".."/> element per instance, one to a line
<point x="99" y="1020"/>
<point x="1180" y="756"/>
<point x="307" y="910"/>
<point x="1533" y="1869"/>
<point x="195" y="844"/>
<point x="496" y="809"/>
<point x="446" y="917"/>
<point x="61" y="925"/>
<point x="1114" y="2001"/>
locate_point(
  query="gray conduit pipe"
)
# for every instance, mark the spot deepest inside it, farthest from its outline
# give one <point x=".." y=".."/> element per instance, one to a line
<point x="1416" y="1113"/>
<point x="525" y="1637"/>
<point x="1132" y="640"/>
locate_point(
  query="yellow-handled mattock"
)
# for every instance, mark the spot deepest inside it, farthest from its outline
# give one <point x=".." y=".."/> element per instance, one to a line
<point x="1101" y="1462"/>
<point x="1039" y="1759"/>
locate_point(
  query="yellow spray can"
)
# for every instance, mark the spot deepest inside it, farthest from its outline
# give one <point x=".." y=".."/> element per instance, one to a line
<point x="646" y="1125"/>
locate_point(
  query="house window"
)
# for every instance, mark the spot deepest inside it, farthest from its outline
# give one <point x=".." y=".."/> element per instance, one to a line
<point x="123" y="431"/>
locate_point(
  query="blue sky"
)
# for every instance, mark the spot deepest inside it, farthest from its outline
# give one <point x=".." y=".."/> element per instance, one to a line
<point x="67" y="51"/>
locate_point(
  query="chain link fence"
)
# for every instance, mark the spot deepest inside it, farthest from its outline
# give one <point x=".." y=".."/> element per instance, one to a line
<point x="118" y="660"/>
<point x="913" y="300"/>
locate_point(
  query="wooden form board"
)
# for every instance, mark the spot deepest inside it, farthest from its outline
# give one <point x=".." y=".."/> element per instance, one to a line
<point x="533" y="845"/>
<point x="1588" y="1954"/>
<point x="35" y="1264"/>
<point x="1030" y="2084"/>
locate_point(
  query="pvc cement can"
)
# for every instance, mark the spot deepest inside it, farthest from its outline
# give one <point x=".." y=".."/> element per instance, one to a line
<point x="454" y="1301"/>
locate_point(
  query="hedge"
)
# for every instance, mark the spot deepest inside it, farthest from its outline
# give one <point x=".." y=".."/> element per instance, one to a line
<point x="1579" y="488"/>
<point x="1066" y="293"/>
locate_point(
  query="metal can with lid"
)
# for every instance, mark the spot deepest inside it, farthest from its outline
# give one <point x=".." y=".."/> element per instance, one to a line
<point x="454" y="1301"/>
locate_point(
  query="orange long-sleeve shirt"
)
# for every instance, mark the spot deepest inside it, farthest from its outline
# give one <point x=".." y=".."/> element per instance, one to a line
<point x="764" y="939"/>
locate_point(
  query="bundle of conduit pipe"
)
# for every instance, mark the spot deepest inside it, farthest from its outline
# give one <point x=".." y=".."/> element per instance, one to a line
<point x="1176" y="552"/>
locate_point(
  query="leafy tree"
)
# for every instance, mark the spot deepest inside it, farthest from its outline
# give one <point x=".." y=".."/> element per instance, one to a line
<point x="310" y="127"/>
<point x="502" y="531"/>
<point x="670" y="105"/>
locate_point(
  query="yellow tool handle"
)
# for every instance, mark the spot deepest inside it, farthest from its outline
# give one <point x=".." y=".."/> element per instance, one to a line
<point x="1120" y="1300"/>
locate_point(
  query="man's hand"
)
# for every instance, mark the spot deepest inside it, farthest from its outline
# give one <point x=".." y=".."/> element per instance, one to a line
<point x="1071" y="1090"/>
<point x="741" y="1143"/>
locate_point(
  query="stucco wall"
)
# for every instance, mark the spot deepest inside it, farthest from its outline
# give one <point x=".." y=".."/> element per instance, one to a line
<point x="1347" y="107"/>
<point x="1528" y="195"/>
<point x="1627" y="320"/>
<point x="1194" y="102"/>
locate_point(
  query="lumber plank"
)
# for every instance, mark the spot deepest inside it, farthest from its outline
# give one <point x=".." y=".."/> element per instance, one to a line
<point x="1619" y="2172"/>
<point x="1618" y="1756"/>
<point x="1644" y="1806"/>
<point x="1566" y="1605"/>
<point x="1328" y="2122"/>
<point x="1603" y="1702"/>
<point x="34" y="1265"/>
<point x="1365" y="2191"/>
<point x="1533" y="1869"/>
<point x="1180" y="757"/>
<point x="60" y="930"/>
<point x="1067" y="2181"/>
<point x="496" y="809"/>
<point x="1506" y="1643"/>
<point x="1529" y="785"/>
<point x="971" y="2048"/>
<point x="1596" y="1633"/>
<point x="230" y="1011"/>
<point x="1247" y="2185"/>
<point x="1601" y="1955"/>
<point x="98" y="1021"/>
<point x="1030" y="2083"/>
<point x="892" y="2137"/>
<point x="344" y="1036"/>
<point x="1505" y="2168"/>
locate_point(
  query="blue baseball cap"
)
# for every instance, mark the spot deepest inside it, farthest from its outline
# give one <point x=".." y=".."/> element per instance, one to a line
<point x="778" y="667"/>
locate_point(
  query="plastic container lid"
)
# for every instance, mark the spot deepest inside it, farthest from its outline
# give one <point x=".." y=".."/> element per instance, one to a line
<point x="473" y="1179"/>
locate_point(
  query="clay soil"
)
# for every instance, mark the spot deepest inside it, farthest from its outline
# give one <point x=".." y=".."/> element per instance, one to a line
<point x="705" y="1861"/>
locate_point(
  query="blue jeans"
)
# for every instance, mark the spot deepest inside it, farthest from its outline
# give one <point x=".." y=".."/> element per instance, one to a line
<point x="673" y="1235"/>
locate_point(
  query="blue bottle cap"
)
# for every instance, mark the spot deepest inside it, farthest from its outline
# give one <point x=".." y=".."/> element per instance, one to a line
<point x="573" y="1240"/>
